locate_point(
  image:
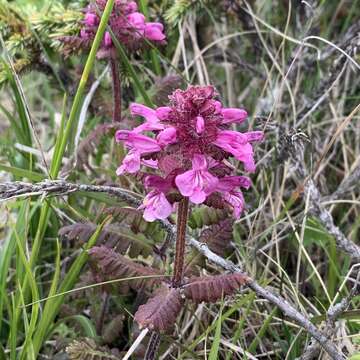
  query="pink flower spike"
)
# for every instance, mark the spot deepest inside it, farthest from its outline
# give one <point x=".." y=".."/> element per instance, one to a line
<point x="156" y="206"/>
<point x="200" y="124"/>
<point x="91" y="19"/>
<point x="197" y="183"/>
<point x="130" y="164"/>
<point x="153" y="31"/>
<point x="107" y="39"/>
<point x="139" y="142"/>
<point x="232" y="115"/>
<point x="167" y="136"/>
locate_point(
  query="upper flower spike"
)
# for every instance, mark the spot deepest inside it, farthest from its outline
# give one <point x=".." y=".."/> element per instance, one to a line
<point x="190" y="144"/>
<point x="127" y="23"/>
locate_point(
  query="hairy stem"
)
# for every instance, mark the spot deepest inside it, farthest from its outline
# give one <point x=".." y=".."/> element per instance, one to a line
<point x="180" y="242"/>
<point x="116" y="89"/>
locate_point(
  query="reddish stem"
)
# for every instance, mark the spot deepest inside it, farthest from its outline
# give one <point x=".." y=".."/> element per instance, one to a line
<point x="180" y="242"/>
<point x="116" y="89"/>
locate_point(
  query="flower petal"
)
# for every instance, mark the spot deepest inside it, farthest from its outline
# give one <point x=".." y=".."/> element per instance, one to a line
<point x="186" y="183"/>
<point x="153" y="31"/>
<point x="232" y="115"/>
<point x="167" y="136"/>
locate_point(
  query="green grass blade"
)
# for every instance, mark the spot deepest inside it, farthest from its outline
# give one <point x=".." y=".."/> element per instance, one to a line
<point x="2" y="353"/>
<point x="52" y="306"/>
<point x="7" y="252"/>
<point x="214" y="351"/>
<point x="254" y="344"/>
<point x="22" y="173"/>
<point x="86" y="324"/>
<point x="35" y="296"/>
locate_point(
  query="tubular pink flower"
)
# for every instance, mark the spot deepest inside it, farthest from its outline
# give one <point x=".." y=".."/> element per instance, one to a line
<point x="163" y="112"/>
<point x="167" y="136"/>
<point x="138" y="142"/>
<point x="236" y="200"/>
<point x="137" y="20"/>
<point x="200" y="124"/>
<point x="152" y="121"/>
<point x="232" y="115"/>
<point x="197" y="183"/>
<point x="91" y="19"/>
<point x="156" y="206"/>
<point x="107" y="39"/>
<point x="229" y="183"/>
<point x="154" y="31"/>
<point x="130" y="164"/>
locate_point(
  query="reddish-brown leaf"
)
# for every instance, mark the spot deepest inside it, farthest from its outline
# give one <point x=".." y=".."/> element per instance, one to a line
<point x="115" y="266"/>
<point x="218" y="237"/>
<point x="213" y="288"/>
<point x="161" y="311"/>
<point x="109" y="236"/>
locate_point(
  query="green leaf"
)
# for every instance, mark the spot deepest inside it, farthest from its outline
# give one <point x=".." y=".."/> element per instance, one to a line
<point x="83" y="321"/>
<point x="22" y="173"/>
<point x="355" y="357"/>
<point x="216" y="343"/>
<point x="2" y="353"/>
<point x="53" y="304"/>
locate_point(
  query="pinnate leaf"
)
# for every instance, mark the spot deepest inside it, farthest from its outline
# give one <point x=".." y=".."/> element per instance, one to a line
<point x="115" y="266"/>
<point x="218" y="237"/>
<point x="161" y="311"/>
<point x="213" y="288"/>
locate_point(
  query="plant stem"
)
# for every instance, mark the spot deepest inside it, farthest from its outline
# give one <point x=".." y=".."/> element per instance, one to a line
<point x="116" y="88"/>
<point x="180" y="242"/>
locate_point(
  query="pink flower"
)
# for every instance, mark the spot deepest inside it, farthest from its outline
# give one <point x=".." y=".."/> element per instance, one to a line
<point x="232" y="115"/>
<point x="167" y="136"/>
<point x="237" y="144"/>
<point x="197" y="183"/>
<point x="152" y="121"/>
<point x="138" y="142"/>
<point x="156" y="206"/>
<point x="154" y="32"/>
<point x="191" y="147"/>
<point x="107" y="39"/>
<point x="200" y="124"/>
<point x="131" y="163"/>
<point x="236" y="200"/>
<point x="91" y="19"/>
<point x="128" y="25"/>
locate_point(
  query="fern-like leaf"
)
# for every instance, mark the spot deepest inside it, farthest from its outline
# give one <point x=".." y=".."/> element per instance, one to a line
<point x="213" y="288"/>
<point x="161" y="311"/>
<point x="110" y="235"/>
<point x="87" y="349"/>
<point x="218" y="237"/>
<point x="115" y="266"/>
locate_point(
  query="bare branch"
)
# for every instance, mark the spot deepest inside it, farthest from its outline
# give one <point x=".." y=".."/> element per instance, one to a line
<point x="342" y="242"/>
